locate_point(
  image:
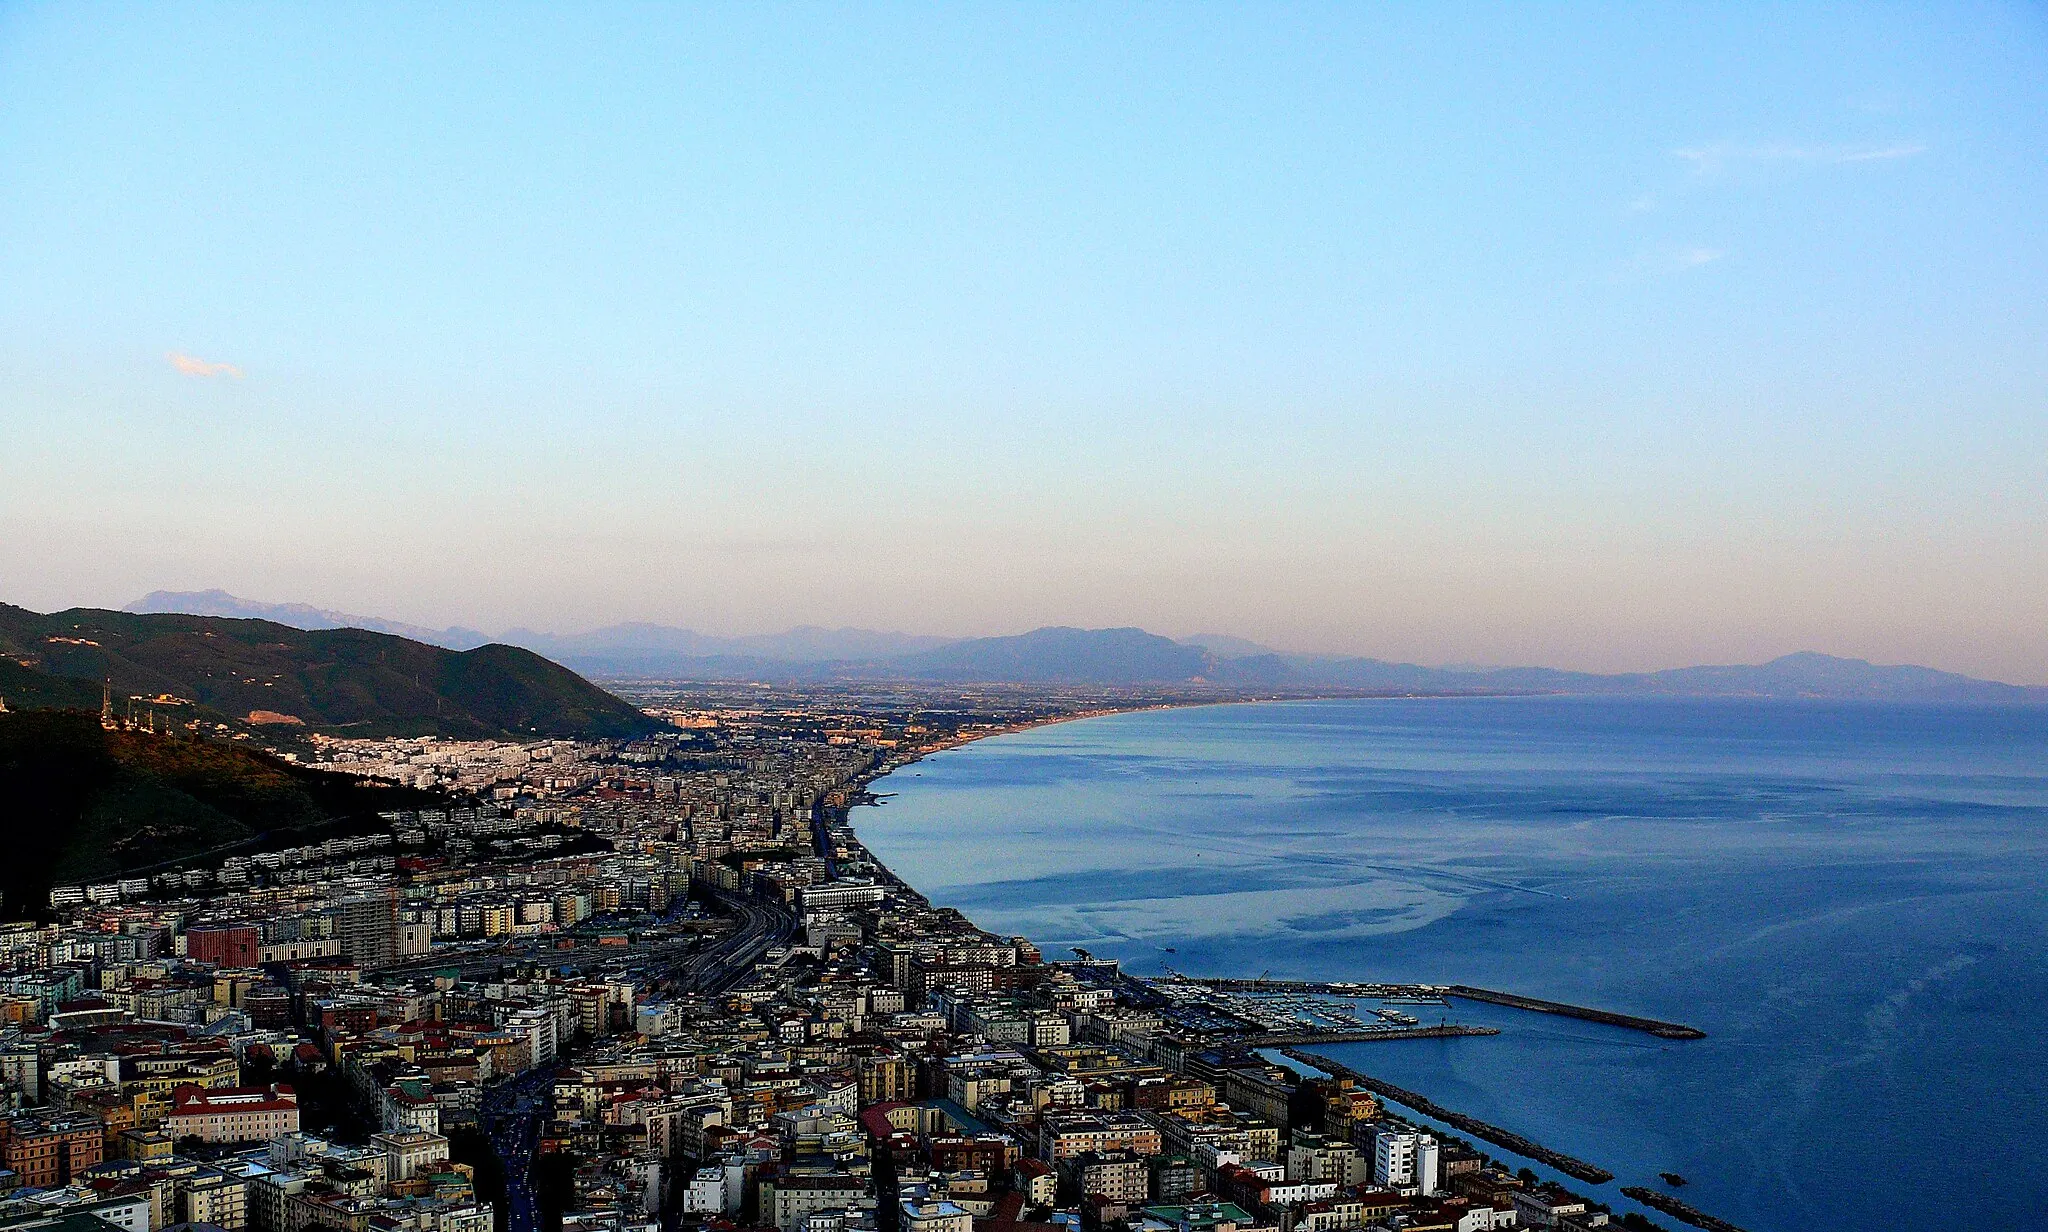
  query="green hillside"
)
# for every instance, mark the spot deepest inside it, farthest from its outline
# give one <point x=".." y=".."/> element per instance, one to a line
<point x="83" y="804"/>
<point x="343" y="681"/>
<point x="23" y="688"/>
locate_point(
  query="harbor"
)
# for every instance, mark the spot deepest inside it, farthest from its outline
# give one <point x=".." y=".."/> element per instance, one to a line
<point x="1437" y="995"/>
<point x="1258" y="1015"/>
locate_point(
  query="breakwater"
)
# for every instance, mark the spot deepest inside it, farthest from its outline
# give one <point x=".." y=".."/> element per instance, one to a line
<point x="1663" y="1030"/>
<point x="1658" y="1200"/>
<point x="1279" y="1039"/>
<point x="1506" y="1139"/>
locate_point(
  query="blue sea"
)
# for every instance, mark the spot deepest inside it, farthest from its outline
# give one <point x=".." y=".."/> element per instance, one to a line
<point x="1850" y="899"/>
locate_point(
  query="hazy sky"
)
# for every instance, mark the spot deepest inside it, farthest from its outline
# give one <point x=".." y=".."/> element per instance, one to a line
<point x="1606" y="337"/>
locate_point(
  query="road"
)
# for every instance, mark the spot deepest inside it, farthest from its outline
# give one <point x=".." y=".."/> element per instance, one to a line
<point x="821" y="838"/>
<point x="512" y="1114"/>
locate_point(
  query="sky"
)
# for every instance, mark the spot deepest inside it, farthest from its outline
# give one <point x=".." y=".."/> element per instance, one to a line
<point x="1607" y="337"/>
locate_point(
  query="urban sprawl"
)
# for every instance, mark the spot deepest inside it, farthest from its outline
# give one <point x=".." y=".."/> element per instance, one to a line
<point x="658" y="985"/>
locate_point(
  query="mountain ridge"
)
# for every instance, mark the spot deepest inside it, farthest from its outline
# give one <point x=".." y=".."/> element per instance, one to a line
<point x="1128" y="656"/>
<point x="343" y="681"/>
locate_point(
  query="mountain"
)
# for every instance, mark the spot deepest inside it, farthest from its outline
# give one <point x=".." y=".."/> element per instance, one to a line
<point x="1806" y="674"/>
<point x="343" y="681"/>
<point x="653" y="650"/>
<point x="1224" y="646"/>
<point x="87" y="804"/>
<point x="1133" y="657"/>
<point x="297" y="615"/>
<point x="1060" y="655"/>
<point x="1105" y="657"/>
<point x="633" y="649"/>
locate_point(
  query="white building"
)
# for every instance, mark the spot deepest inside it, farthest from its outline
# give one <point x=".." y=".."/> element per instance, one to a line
<point x="1404" y="1160"/>
<point x="706" y="1194"/>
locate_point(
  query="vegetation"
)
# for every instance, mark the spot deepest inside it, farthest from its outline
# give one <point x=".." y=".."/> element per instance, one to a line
<point x="23" y="688"/>
<point x="344" y="681"/>
<point x="86" y="804"/>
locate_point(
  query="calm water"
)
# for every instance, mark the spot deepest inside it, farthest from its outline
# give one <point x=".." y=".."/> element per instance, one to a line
<point x="1849" y="899"/>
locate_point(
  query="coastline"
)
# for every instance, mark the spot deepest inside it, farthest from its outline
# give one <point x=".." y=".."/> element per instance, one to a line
<point x="891" y="764"/>
<point x="860" y="783"/>
<point x="1514" y="1143"/>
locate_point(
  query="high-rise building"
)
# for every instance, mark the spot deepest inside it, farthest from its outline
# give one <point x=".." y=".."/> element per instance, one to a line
<point x="224" y="945"/>
<point x="367" y="927"/>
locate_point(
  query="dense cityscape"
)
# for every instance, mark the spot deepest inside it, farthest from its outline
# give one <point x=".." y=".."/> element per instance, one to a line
<point x="659" y="984"/>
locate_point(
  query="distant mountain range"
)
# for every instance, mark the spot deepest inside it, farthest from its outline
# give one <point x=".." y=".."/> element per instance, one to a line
<point x="1791" y="676"/>
<point x="298" y="616"/>
<point x="345" y="681"/>
<point x="1134" y="657"/>
<point x="644" y="649"/>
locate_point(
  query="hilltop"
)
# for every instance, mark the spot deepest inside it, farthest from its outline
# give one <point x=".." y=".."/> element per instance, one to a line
<point x="343" y="681"/>
<point x="85" y="804"/>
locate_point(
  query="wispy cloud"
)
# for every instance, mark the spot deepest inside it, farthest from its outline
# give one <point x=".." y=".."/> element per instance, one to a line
<point x="1652" y="263"/>
<point x="192" y="365"/>
<point x="1714" y="156"/>
<point x="1871" y="154"/>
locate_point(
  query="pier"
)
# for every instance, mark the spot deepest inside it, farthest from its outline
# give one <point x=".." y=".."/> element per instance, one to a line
<point x="1662" y="1030"/>
<point x="1505" y="1139"/>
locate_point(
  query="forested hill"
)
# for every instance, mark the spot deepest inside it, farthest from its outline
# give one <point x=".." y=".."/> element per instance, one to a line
<point x="81" y="804"/>
<point x="343" y="681"/>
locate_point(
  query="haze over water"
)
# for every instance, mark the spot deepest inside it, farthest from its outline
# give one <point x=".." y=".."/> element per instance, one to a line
<point x="1848" y="898"/>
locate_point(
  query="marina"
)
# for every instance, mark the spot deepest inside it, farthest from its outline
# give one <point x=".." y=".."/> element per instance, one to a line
<point x="1263" y="1014"/>
<point x="1303" y="993"/>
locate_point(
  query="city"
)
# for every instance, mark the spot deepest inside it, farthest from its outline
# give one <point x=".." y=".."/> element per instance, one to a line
<point x="993" y="617"/>
<point x="630" y="986"/>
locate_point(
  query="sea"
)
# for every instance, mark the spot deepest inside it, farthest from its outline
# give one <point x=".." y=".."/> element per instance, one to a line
<point x="1850" y="899"/>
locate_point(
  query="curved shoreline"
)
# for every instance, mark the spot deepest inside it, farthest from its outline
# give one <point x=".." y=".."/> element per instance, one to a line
<point x="863" y="795"/>
<point x="1505" y="1139"/>
<point x="890" y="765"/>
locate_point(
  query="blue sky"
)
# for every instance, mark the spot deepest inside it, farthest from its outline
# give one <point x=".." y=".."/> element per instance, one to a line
<point x="1603" y="336"/>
